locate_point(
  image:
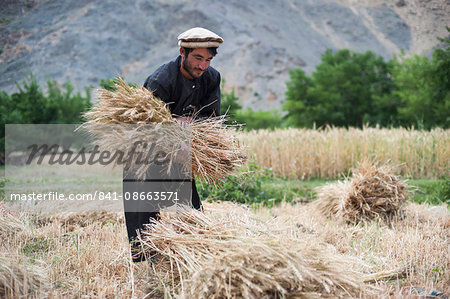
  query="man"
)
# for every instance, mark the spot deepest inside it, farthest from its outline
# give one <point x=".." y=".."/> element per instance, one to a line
<point x="191" y="88"/>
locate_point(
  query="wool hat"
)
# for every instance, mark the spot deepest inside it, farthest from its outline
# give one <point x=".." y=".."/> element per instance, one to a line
<point x="199" y="37"/>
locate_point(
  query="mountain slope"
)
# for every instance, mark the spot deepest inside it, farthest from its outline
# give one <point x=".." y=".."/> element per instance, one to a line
<point x="86" y="40"/>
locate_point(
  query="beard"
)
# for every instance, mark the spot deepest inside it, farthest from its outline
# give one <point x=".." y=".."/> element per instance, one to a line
<point x="190" y="69"/>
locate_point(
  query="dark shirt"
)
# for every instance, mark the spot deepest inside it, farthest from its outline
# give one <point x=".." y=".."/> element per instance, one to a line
<point x="185" y="97"/>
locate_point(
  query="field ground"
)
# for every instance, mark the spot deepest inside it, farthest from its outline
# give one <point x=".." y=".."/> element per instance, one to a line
<point x="79" y="255"/>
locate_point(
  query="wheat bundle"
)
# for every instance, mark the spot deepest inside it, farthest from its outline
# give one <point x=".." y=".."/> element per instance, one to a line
<point x="18" y="280"/>
<point x="216" y="152"/>
<point x="214" y="149"/>
<point x="373" y="192"/>
<point x="232" y="255"/>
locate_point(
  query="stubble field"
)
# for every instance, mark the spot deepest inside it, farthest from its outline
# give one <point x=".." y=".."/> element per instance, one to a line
<point x="85" y="255"/>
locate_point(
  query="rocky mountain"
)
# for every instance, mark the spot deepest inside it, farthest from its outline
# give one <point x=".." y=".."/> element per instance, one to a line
<point x="86" y="40"/>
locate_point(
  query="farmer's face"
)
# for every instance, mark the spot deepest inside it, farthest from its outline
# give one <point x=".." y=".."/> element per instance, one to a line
<point x="196" y="63"/>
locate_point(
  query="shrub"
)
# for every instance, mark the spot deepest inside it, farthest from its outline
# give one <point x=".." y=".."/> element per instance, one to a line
<point x="30" y="105"/>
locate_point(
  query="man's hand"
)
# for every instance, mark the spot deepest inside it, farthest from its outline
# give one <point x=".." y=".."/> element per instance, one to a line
<point x="183" y="121"/>
<point x="183" y="153"/>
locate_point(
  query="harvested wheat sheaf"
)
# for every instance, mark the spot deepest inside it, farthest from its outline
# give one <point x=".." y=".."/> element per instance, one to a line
<point x="373" y="192"/>
<point x="232" y="255"/>
<point x="215" y="150"/>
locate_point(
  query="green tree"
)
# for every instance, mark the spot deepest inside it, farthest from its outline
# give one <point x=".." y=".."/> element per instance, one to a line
<point x="299" y="103"/>
<point x="347" y="89"/>
<point x="229" y="104"/>
<point x="423" y="88"/>
<point x="414" y="90"/>
<point x="30" y="105"/>
<point x="441" y="83"/>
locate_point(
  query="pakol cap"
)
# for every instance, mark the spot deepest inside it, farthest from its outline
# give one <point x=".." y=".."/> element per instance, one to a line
<point x="199" y="37"/>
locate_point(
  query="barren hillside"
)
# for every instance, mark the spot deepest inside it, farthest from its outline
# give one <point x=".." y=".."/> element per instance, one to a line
<point x="85" y="41"/>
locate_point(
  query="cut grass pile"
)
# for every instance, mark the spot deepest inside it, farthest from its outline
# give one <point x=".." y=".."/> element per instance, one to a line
<point x="228" y="253"/>
<point x="373" y="192"/>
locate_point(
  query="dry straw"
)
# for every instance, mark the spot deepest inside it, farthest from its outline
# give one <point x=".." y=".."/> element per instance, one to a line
<point x="215" y="150"/>
<point x="73" y="220"/>
<point x="14" y="225"/>
<point x="373" y="192"/>
<point x="232" y="255"/>
<point x="18" y="280"/>
<point x="411" y="251"/>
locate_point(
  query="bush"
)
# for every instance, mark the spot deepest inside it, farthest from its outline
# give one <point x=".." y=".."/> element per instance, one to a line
<point x="30" y="105"/>
<point x="255" y="120"/>
<point x="230" y="106"/>
<point x="251" y="120"/>
<point x="431" y="192"/>
<point x="245" y="188"/>
<point x="258" y="187"/>
<point x="109" y="84"/>
<point x="3" y="181"/>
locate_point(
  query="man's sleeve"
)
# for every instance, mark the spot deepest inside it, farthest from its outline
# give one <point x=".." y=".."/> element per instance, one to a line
<point x="157" y="89"/>
<point x="211" y="106"/>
